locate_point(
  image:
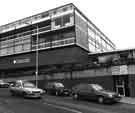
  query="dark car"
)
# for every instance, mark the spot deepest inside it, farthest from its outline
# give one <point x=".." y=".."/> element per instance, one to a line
<point x="4" y="84"/>
<point x="94" y="92"/>
<point x="56" y="88"/>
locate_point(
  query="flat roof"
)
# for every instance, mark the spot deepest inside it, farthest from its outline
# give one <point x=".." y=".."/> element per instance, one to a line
<point x="112" y="52"/>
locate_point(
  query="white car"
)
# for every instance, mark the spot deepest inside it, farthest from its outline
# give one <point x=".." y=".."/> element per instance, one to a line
<point x="3" y="84"/>
<point x="25" y="89"/>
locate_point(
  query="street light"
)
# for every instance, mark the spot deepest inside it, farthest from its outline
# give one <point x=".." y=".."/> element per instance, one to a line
<point x="37" y="54"/>
<point x="37" y="38"/>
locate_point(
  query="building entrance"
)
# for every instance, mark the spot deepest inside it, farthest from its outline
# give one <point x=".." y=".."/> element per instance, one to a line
<point x="121" y="85"/>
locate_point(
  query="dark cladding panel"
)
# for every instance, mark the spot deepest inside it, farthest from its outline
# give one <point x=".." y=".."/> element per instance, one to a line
<point x="17" y="61"/>
<point x="63" y="56"/>
<point x="46" y="57"/>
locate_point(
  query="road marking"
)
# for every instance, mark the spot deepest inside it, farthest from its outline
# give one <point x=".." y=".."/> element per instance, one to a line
<point x="64" y="108"/>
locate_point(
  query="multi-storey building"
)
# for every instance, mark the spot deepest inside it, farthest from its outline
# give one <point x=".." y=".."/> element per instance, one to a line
<point x="62" y="36"/>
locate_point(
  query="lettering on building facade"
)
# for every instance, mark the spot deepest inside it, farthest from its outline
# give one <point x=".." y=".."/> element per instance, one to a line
<point x="20" y="61"/>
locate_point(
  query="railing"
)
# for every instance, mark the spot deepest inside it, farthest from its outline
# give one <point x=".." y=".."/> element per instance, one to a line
<point x="57" y="43"/>
<point x="31" y="32"/>
<point x="47" y="45"/>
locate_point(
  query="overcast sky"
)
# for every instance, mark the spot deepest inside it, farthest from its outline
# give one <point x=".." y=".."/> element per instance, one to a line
<point x="115" y="18"/>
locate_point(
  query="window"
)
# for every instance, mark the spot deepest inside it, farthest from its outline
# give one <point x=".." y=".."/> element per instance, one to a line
<point x="18" y="48"/>
<point x="42" y="40"/>
<point x="10" y="50"/>
<point x="91" y="48"/>
<point x="44" y="15"/>
<point x="66" y="20"/>
<point x="3" y="51"/>
<point x="98" y="39"/>
<point x="62" y="21"/>
<point x="18" y="85"/>
<point x="97" y="87"/>
<point x="28" y="85"/>
<point x="58" y="22"/>
<point x="91" y="33"/>
<point x="103" y="43"/>
<point x="69" y="34"/>
<point x="26" y="47"/>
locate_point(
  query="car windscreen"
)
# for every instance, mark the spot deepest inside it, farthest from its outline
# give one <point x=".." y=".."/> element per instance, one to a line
<point x="97" y="87"/>
<point x="28" y="85"/>
<point x="59" y="85"/>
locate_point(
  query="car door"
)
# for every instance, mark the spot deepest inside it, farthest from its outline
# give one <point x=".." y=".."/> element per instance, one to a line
<point x="50" y="88"/>
<point x="91" y="92"/>
<point x="18" y="89"/>
<point x="83" y="91"/>
<point x="87" y="92"/>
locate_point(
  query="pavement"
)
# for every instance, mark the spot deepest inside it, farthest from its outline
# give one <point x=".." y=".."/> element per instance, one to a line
<point x="128" y="100"/>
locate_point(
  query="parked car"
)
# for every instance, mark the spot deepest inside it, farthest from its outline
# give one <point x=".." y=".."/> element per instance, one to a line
<point x="56" y="88"/>
<point x="3" y="84"/>
<point x="25" y="89"/>
<point x="94" y="92"/>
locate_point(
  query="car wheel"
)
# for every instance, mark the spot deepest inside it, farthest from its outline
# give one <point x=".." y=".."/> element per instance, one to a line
<point x="101" y="99"/>
<point x="75" y="96"/>
<point x="24" y="94"/>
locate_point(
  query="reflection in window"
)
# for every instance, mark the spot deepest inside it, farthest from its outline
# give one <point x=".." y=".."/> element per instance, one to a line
<point x="66" y="20"/>
<point x="10" y="50"/>
<point x="26" y="47"/>
<point x="18" y="48"/>
<point x="3" y="51"/>
<point x="62" y="21"/>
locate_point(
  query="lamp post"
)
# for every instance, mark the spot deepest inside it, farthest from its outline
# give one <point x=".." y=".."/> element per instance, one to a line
<point x="37" y="53"/>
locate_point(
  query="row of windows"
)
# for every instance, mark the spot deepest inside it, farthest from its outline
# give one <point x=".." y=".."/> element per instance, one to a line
<point x="53" y="37"/>
<point x="15" y="46"/>
<point x="95" y="40"/>
<point x="37" y="18"/>
<point x="24" y="44"/>
<point x="62" y="21"/>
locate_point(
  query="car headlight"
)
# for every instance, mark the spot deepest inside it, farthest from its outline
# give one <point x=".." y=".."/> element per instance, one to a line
<point x="42" y="91"/>
<point x="119" y="95"/>
<point x="110" y="95"/>
<point x="28" y="92"/>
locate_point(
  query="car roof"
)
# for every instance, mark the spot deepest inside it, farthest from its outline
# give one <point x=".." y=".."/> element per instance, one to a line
<point x="55" y="83"/>
<point x="17" y="81"/>
<point x="89" y="84"/>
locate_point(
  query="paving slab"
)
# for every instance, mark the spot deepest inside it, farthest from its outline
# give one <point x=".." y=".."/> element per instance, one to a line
<point x="128" y="100"/>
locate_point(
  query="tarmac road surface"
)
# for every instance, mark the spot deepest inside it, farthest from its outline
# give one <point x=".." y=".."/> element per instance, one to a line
<point x="53" y="104"/>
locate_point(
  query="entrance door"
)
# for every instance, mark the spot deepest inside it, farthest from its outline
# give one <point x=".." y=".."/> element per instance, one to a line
<point x="121" y="85"/>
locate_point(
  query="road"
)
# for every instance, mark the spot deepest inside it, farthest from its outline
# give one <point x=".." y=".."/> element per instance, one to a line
<point x="53" y="104"/>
